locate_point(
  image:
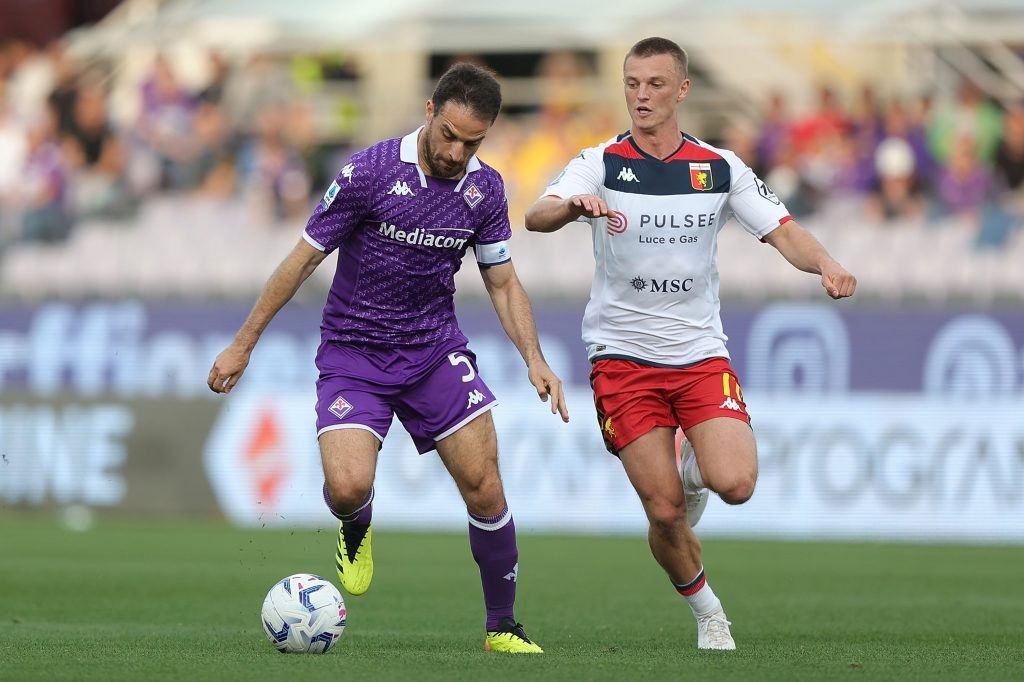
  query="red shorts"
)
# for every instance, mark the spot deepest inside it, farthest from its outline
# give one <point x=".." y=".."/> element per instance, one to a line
<point x="632" y="398"/>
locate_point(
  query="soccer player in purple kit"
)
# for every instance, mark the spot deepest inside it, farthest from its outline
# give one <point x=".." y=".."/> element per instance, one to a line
<point x="402" y="214"/>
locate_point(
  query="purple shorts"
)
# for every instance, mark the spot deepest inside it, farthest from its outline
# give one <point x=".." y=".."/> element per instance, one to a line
<point x="434" y="390"/>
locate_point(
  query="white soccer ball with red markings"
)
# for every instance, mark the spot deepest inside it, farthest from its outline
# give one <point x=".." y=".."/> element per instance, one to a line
<point x="304" y="614"/>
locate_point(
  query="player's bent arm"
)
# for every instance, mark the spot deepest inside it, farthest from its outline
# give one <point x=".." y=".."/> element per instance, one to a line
<point x="549" y="214"/>
<point x="804" y="252"/>
<point x="512" y="306"/>
<point x="289" y="275"/>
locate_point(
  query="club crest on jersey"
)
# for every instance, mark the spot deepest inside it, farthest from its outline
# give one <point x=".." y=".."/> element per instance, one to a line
<point x="340" y="407"/>
<point x="473" y="196"/>
<point x="700" y="176"/>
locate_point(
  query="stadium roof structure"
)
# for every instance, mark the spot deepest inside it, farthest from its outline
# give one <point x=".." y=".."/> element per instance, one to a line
<point x="453" y="25"/>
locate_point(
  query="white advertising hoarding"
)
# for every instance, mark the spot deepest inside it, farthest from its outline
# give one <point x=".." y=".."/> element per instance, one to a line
<point x="861" y="465"/>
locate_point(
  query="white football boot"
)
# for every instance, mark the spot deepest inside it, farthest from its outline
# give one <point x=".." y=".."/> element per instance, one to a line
<point x="713" y="632"/>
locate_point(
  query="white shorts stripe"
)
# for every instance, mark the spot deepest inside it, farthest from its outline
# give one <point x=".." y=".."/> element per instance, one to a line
<point x="468" y="419"/>
<point x="335" y="427"/>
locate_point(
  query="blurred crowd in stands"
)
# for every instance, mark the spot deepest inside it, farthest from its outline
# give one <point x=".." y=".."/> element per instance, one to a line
<point x="901" y="160"/>
<point x="250" y="134"/>
<point x="64" y="157"/>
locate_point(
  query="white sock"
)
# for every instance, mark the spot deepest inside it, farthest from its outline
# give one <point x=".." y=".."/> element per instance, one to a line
<point x="691" y="474"/>
<point x="700" y="596"/>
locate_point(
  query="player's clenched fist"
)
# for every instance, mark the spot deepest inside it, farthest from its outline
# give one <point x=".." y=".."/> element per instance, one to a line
<point x="838" y="282"/>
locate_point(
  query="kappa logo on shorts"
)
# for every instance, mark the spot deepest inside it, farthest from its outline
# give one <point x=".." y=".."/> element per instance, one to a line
<point x="475" y="397"/>
<point x="340" y="407"/>
<point x="731" y="405"/>
<point x="608" y="428"/>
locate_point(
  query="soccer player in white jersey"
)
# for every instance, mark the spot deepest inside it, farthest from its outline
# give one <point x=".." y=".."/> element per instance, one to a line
<point x="656" y="199"/>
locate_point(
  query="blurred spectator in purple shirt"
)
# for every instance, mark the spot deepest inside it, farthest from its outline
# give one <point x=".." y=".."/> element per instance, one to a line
<point x="963" y="183"/>
<point x="899" y="124"/>
<point x="273" y="173"/>
<point x="42" y="189"/>
<point x="774" y="136"/>
<point x="166" y="121"/>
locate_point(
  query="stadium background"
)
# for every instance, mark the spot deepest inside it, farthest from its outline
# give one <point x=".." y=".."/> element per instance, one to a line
<point x="158" y="158"/>
<point x="155" y="166"/>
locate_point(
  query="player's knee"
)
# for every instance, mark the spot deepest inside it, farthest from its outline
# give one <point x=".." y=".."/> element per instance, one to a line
<point x="484" y="496"/>
<point x="665" y="517"/>
<point x="347" y="494"/>
<point x="738" y="490"/>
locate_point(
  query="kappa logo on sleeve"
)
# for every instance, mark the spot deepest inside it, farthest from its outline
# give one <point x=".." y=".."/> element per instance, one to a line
<point x="346" y="172"/>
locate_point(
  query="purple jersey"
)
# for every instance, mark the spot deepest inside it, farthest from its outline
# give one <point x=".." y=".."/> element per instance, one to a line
<point x="401" y="238"/>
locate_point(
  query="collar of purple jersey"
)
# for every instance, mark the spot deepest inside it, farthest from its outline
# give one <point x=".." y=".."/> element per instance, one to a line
<point x="409" y="153"/>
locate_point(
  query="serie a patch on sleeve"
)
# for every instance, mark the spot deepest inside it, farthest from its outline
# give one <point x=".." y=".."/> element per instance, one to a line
<point x="330" y="194"/>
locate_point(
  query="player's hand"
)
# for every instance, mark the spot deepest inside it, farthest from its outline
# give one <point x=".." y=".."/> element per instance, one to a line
<point x="837" y="281"/>
<point x="587" y="205"/>
<point x="227" y="369"/>
<point x="548" y="385"/>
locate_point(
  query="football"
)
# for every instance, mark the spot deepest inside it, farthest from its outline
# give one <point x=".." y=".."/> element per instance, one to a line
<point x="303" y="614"/>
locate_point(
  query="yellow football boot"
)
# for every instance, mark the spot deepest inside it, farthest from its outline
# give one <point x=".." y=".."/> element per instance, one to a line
<point x="355" y="564"/>
<point x="510" y="639"/>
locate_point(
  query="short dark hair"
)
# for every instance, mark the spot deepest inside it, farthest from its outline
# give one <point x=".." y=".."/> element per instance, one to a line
<point x="649" y="47"/>
<point x="471" y="86"/>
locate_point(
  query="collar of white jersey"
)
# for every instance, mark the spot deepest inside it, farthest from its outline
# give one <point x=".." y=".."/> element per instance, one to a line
<point x="409" y="153"/>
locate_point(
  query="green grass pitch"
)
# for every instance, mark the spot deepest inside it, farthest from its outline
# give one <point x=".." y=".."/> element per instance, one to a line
<point x="180" y="601"/>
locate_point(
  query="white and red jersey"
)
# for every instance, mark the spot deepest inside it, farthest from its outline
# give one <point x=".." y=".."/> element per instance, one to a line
<point x="655" y="292"/>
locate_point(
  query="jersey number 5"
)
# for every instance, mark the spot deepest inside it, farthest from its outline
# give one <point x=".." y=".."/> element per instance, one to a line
<point x="457" y="359"/>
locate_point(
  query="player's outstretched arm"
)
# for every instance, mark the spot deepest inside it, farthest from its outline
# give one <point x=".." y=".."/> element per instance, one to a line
<point x="806" y="253"/>
<point x="516" y="316"/>
<point x="549" y="214"/>
<point x="287" y="278"/>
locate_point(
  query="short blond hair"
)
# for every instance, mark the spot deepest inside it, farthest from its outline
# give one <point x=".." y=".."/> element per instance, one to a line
<point x="649" y="47"/>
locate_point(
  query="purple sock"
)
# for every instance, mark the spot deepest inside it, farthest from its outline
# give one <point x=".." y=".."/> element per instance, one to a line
<point x="353" y="524"/>
<point x="492" y="539"/>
